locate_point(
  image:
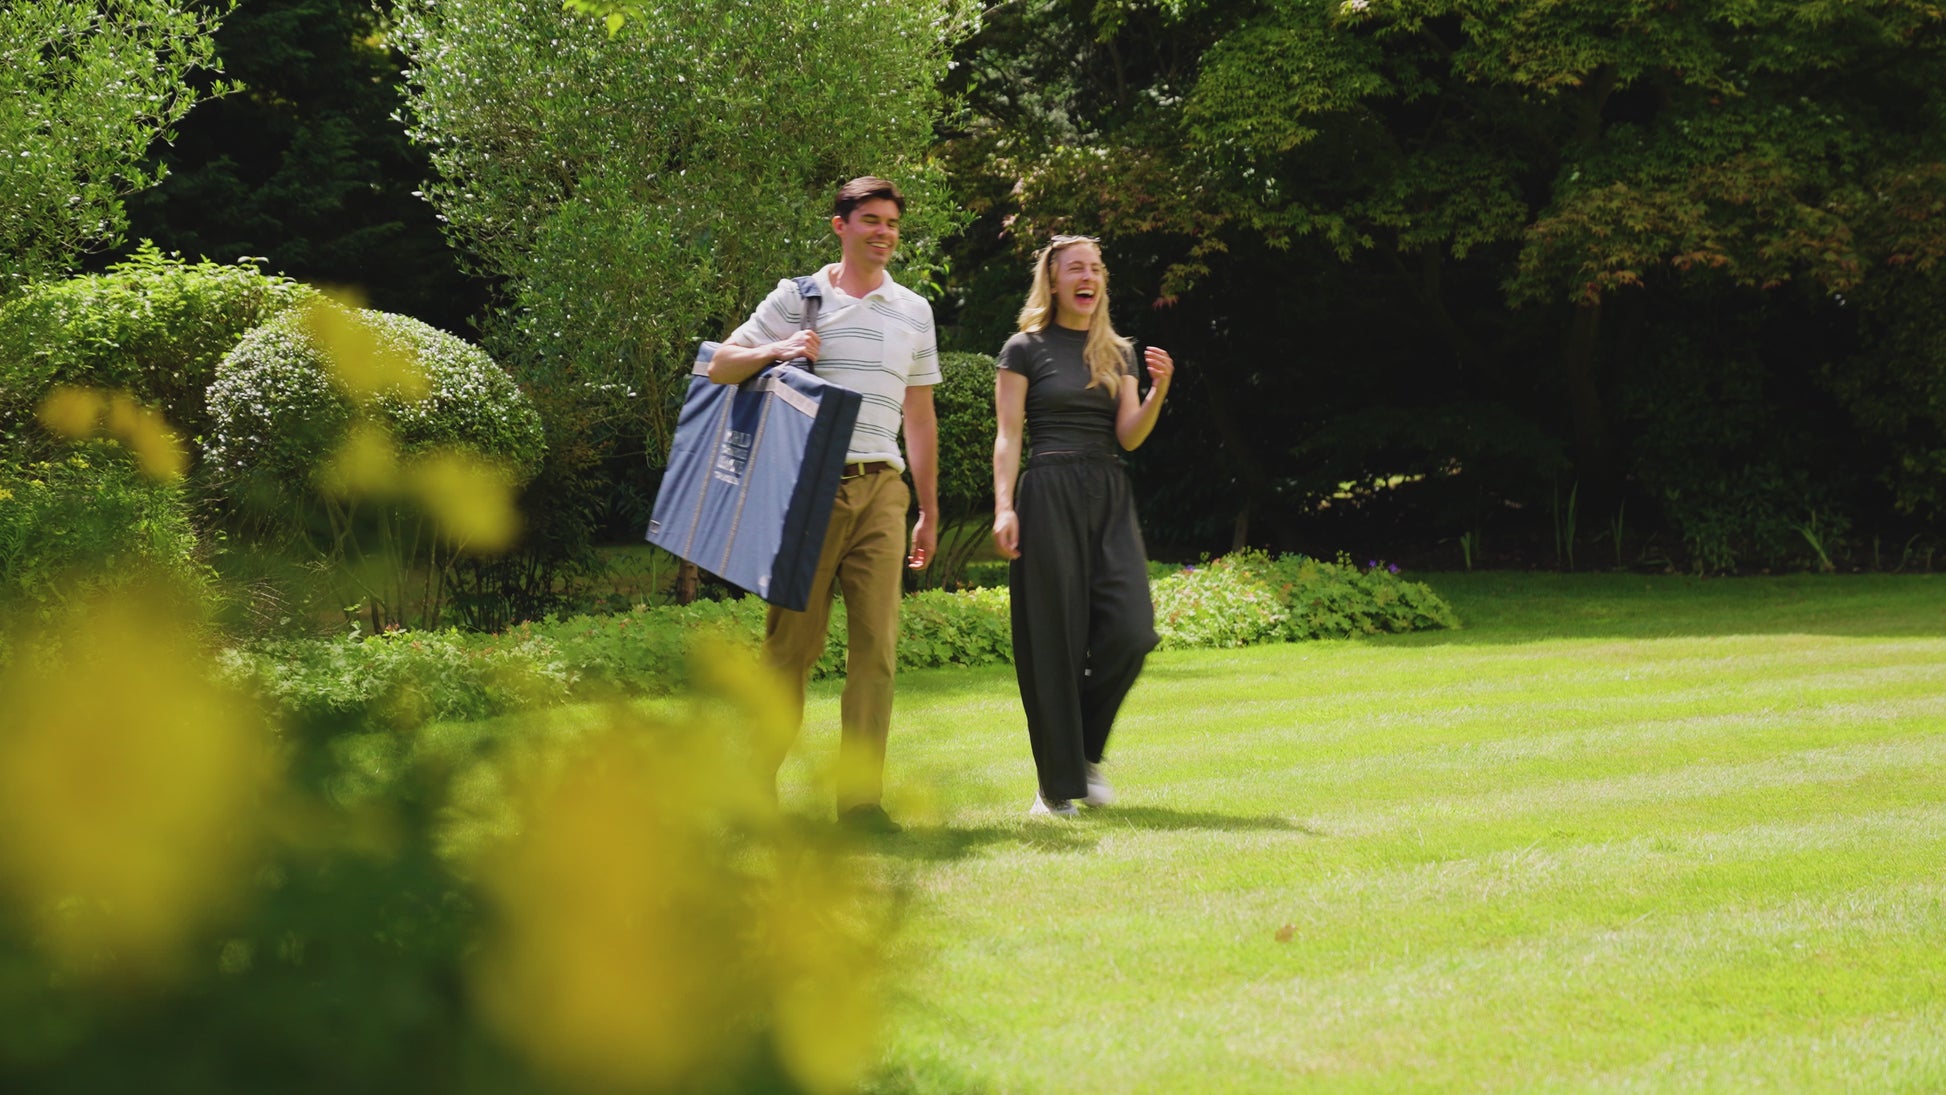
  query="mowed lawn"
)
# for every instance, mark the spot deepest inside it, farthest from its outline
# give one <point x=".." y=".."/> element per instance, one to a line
<point x="1618" y="834"/>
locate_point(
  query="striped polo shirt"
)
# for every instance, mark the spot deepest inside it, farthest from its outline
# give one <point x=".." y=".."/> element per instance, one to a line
<point x="877" y="347"/>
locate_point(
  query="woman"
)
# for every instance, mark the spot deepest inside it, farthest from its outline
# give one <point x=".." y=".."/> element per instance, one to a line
<point x="1082" y="620"/>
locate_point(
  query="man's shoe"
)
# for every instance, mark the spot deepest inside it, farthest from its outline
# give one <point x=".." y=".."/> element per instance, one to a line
<point x="1046" y="807"/>
<point x="1099" y="792"/>
<point x="870" y="819"/>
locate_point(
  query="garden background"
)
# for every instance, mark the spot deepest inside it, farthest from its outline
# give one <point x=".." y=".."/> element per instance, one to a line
<point x="340" y="346"/>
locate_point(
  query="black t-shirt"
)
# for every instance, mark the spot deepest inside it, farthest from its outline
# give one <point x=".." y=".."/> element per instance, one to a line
<point x="1063" y="413"/>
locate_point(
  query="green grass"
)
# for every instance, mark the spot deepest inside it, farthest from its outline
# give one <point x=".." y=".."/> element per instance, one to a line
<point x="1618" y="834"/>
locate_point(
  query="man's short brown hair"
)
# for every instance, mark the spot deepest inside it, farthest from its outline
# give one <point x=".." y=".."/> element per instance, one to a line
<point x="862" y="189"/>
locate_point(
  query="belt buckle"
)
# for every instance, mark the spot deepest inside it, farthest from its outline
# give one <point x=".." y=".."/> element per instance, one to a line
<point x="853" y="470"/>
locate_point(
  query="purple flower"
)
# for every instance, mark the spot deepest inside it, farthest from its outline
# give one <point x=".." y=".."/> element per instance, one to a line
<point x="1394" y="568"/>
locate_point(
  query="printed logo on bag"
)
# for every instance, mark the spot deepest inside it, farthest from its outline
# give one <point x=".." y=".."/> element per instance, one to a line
<point x="732" y="456"/>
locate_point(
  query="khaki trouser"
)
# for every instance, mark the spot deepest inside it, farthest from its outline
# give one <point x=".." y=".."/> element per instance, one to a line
<point x="864" y="555"/>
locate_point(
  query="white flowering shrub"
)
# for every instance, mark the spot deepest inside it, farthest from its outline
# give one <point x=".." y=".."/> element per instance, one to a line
<point x="279" y="407"/>
<point x="376" y="451"/>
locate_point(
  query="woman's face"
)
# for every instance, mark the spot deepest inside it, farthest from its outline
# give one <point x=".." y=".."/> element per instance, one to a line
<point x="1079" y="281"/>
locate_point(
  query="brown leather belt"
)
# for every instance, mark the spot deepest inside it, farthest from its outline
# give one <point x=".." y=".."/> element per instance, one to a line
<point x="866" y="467"/>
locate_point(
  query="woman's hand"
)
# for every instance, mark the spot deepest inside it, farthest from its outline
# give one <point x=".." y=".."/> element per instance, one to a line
<point x="1162" y="367"/>
<point x="1006" y="533"/>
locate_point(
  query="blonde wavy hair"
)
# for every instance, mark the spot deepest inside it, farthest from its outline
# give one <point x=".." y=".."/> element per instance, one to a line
<point x="1105" y="353"/>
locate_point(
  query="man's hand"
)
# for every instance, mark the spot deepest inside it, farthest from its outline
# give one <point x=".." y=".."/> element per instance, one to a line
<point x="925" y="539"/>
<point x="802" y="344"/>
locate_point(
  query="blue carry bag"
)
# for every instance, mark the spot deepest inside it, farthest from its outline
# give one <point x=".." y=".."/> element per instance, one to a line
<point x="753" y="472"/>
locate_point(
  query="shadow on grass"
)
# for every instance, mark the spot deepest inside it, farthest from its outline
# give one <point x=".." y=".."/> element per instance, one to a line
<point x="947" y="843"/>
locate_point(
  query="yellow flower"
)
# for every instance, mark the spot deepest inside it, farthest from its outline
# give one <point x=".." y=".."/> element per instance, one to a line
<point x="157" y="448"/>
<point x="472" y="499"/>
<point x="363" y="364"/>
<point x="653" y="919"/>
<point x="78" y="413"/>
<point x="72" y="412"/>
<point x="363" y="464"/>
<point x="615" y="964"/>
<point x="130" y="785"/>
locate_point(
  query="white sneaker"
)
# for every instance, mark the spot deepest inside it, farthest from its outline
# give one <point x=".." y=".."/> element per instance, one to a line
<point x="1059" y="807"/>
<point x="1099" y="792"/>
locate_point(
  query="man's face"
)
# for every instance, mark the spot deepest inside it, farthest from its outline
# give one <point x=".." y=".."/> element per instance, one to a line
<point x="870" y="235"/>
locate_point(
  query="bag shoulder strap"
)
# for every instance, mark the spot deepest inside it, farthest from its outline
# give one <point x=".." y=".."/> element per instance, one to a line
<point x="807" y="287"/>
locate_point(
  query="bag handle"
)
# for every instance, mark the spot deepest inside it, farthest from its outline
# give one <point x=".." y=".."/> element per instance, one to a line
<point x="807" y="287"/>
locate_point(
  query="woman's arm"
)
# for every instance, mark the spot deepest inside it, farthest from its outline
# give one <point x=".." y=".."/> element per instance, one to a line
<point x="1010" y="414"/>
<point x="1134" y="418"/>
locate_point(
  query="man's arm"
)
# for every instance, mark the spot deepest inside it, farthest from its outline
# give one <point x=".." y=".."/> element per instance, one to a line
<point x="746" y="352"/>
<point x="734" y="364"/>
<point x="922" y="459"/>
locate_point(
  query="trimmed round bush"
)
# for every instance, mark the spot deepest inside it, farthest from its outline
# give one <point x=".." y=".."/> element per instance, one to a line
<point x="154" y="326"/>
<point x="277" y="408"/>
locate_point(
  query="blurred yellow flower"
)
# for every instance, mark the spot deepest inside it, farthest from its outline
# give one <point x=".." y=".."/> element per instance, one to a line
<point x="363" y="464"/>
<point x="157" y="448"/>
<point x="655" y="920"/>
<point x="130" y="785"/>
<point x="72" y="412"/>
<point x="78" y="413"/>
<point x="614" y="965"/>
<point x="472" y="499"/>
<point x="365" y="365"/>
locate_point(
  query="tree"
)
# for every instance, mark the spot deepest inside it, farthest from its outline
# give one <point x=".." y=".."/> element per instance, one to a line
<point x="640" y="183"/>
<point x="306" y="167"/>
<point x="85" y="89"/>
<point x="1522" y="198"/>
<point x="643" y="188"/>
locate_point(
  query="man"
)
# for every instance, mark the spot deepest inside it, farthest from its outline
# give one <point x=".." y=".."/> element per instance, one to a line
<point x="875" y="337"/>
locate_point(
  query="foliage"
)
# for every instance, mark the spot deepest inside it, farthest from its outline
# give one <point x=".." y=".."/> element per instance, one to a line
<point x="639" y="190"/>
<point x="1740" y="452"/>
<point x="376" y="446"/>
<point x="153" y="325"/>
<point x="403" y="679"/>
<point x="964" y="401"/>
<point x="525" y="910"/>
<point x="304" y="165"/>
<point x="1894" y="388"/>
<point x="1248" y="597"/>
<point x="1344" y="213"/>
<point x="644" y="189"/>
<point x="279" y="407"/>
<point x="395" y="679"/>
<point x="86" y="88"/>
<point x="87" y="523"/>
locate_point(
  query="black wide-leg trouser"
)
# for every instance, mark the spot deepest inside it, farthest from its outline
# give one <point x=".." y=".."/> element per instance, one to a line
<point x="1082" y="618"/>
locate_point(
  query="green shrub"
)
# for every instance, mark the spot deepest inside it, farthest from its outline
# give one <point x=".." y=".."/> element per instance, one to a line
<point x="403" y="679"/>
<point x="963" y="400"/>
<point x="377" y="540"/>
<point x="1248" y="597"/>
<point x="154" y="326"/>
<point x="86" y="522"/>
<point x="276" y="411"/>
<point x="1237" y="600"/>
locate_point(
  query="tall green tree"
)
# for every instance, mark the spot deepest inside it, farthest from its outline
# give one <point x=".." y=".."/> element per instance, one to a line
<point x="641" y="184"/>
<point x="306" y="166"/>
<point x="1528" y="195"/>
<point x="86" y="86"/>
